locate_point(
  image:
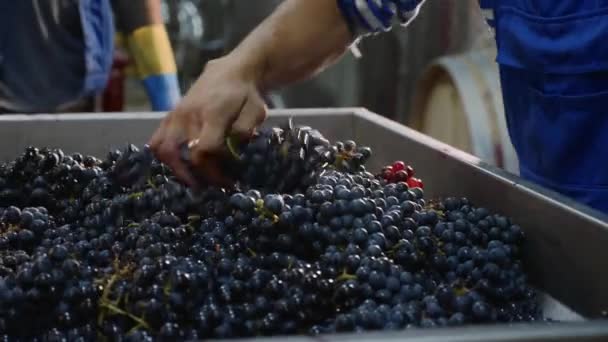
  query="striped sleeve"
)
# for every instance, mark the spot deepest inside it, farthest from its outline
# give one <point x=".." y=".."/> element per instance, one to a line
<point x="367" y="17"/>
<point x="487" y="10"/>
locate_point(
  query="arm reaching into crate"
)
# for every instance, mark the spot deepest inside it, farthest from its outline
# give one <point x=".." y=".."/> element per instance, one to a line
<point x="148" y="43"/>
<point x="297" y="41"/>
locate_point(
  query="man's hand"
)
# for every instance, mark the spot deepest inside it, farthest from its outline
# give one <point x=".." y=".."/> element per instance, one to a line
<point x="224" y="100"/>
<point x="298" y="40"/>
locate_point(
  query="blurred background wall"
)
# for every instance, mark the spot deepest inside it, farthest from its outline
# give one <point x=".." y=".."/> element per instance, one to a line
<point x="382" y="81"/>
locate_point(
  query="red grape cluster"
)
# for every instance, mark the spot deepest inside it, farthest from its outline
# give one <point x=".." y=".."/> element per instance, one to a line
<point x="400" y="172"/>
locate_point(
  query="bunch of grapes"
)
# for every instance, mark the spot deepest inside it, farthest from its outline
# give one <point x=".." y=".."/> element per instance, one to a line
<point x="289" y="159"/>
<point x="399" y="172"/>
<point x="306" y="242"/>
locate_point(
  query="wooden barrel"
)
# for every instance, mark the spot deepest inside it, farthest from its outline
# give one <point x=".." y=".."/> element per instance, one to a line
<point x="458" y="101"/>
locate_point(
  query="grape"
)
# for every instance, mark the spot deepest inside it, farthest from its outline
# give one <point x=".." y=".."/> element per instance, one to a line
<point x="307" y="240"/>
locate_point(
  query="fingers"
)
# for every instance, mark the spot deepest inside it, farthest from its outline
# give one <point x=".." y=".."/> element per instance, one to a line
<point x="207" y="153"/>
<point x="170" y="155"/>
<point x="166" y="142"/>
<point x="213" y="135"/>
<point x="252" y="115"/>
<point x="210" y="140"/>
<point x="207" y="121"/>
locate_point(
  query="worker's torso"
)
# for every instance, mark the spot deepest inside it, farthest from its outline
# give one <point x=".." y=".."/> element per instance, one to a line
<point x="553" y="60"/>
<point x="53" y="53"/>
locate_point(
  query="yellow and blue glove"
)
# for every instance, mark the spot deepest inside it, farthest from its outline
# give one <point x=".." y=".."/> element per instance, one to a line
<point x="150" y="48"/>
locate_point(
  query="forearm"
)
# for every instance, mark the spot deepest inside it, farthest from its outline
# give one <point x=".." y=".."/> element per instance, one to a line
<point x="297" y="41"/>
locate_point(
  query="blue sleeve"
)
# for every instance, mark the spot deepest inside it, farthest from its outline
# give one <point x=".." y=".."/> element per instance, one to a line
<point x="366" y="17"/>
<point x="98" y="30"/>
